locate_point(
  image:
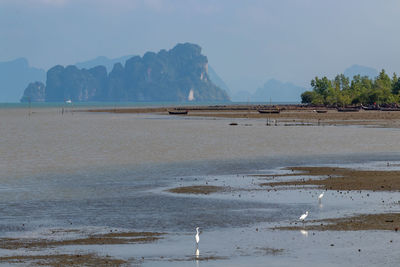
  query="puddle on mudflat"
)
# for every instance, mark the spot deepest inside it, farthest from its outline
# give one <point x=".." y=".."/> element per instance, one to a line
<point x="236" y="224"/>
<point x="253" y="247"/>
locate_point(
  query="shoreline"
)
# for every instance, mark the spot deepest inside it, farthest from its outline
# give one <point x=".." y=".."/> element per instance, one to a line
<point x="43" y="247"/>
<point x="289" y="115"/>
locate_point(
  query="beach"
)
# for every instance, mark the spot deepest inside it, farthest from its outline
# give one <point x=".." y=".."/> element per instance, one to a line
<point x="288" y="115"/>
<point x="123" y="187"/>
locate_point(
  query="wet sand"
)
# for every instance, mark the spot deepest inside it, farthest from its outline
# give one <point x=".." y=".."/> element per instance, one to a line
<point x="289" y="115"/>
<point x="63" y="260"/>
<point x="119" y="138"/>
<point x="198" y="189"/>
<point x="341" y="179"/>
<point x="384" y="221"/>
<point x="34" y="244"/>
<point x="99" y="239"/>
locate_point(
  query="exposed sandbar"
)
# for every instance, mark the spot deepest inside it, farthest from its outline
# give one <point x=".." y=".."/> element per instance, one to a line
<point x="198" y="189"/>
<point x="363" y="222"/>
<point x="63" y="260"/>
<point x="289" y="114"/>
<point x="343" y="179"/>
<point x="98" y="239"/>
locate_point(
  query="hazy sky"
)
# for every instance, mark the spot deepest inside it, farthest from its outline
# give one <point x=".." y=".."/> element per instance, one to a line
<point x="246" y="41"/>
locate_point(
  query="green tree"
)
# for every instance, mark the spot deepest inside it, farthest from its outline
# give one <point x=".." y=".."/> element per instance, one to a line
<point x="307" y="97"/>
<point x="395" y="81"/>
<point x="321" y="86"/>
<point x="342" y="91"/>
<point x="332" y="96"/>
<point x="396" y="87"/>
<point x="341" y="82"/>
<point x="383" y="88"/>
<point x="318" y="100"/>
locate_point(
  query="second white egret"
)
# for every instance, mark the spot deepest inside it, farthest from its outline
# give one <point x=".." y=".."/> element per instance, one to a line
<point x="304" y="216"/>
<point x="320" y="196"/>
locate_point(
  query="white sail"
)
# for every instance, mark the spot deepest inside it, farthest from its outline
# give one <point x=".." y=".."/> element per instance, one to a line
<point x="191" y="95"/>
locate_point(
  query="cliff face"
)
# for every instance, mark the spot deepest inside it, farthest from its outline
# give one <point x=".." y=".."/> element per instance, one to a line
<point x="35" y="92"/>
<point x="71" y="83"/>
<point x="164" y="76"/>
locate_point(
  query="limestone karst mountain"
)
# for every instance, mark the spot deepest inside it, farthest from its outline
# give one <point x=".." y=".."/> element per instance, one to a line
<point x="163" y="76"/>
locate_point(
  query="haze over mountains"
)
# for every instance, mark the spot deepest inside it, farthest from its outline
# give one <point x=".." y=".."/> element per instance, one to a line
<point x="277" y="91"/>
<point x="360" y="70"/>
<point x="15" y="75"/>
<point x="170" y="75"/>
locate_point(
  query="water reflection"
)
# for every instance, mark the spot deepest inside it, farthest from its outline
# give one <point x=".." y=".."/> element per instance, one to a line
<point x="304" y="233"/>
<point x="197" y="255"/>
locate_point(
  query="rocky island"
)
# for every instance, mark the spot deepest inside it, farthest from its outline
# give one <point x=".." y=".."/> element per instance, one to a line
<point x="173" y="75"/>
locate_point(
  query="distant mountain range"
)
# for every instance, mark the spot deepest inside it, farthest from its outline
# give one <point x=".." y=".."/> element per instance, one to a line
<point x="164" y="76"/>
<point x="15" y="76"/>
<point x="278" y="91"/>
<point x="273" y="90"/>
<point x="360" y="70"/>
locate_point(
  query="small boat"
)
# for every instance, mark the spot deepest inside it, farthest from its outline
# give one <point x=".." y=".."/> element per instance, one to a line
<point x="69" y="101"/>
<point x="372" y="107"/>
<point x="390" y="109"/>
<point x="269" y="111"/>
<point x="178" y="112"/>
<point x="321" y="111"/>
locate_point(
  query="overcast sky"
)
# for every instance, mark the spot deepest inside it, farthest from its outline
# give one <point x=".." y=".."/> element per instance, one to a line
<point x="247" y="42"/>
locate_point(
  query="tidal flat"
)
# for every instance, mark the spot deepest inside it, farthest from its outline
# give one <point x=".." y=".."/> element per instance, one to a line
<point x="128" y="189"/>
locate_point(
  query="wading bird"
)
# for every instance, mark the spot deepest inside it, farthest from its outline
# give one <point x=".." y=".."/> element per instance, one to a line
<point x="320" y="196"/>
<point x="197" y="237"/>
<point x="303" y="217"/>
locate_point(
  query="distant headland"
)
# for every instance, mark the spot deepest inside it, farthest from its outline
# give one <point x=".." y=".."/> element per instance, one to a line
<point x="179" y="74"/>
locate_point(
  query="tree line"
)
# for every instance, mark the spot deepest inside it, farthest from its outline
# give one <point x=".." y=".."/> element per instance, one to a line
<point x="361" y="90"/>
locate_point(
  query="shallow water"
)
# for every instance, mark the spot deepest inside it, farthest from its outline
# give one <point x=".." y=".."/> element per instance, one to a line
<point x="95" y="172"/>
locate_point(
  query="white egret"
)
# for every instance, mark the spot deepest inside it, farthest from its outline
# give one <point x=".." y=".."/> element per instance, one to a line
<point x="197" y="237"/>
<point x="320" y="196"/>
<point x="304" y="216"/>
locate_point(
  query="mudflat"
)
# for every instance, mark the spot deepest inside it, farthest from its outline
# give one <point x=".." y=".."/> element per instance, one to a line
<point x="98" y="239"/>
<point x="288" y="115"/>
<point x="198" y="189"/>
<point x="342" y="179"/>
<point x="63" y="260"/>
<point x="363" y="222"/>
<point x="80" y="259"/>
